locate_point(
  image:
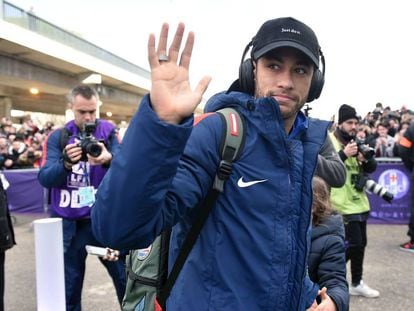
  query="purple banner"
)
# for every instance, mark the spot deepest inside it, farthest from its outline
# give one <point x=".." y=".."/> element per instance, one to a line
<point x="25" y="194"/>
<point x="395" y="178"/>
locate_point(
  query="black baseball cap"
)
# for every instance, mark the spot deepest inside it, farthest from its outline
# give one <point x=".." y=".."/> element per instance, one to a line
<point x="286" y="32"/>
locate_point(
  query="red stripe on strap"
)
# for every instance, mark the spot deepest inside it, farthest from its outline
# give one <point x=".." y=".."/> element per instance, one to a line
<point x="157" y="306"/>
<point x="234" y="125"/>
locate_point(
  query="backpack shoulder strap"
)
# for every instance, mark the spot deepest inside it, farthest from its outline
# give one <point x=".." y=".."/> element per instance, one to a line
<point x="64" y="137"/>
<point x="231" y="146"/>
<point x="232" y="143"/>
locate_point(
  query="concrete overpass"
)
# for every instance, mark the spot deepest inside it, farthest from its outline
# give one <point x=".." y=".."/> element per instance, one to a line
<point x="37" y="54"/>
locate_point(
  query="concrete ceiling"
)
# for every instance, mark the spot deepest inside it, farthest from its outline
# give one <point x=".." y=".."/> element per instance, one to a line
<point x="22" y="68"/>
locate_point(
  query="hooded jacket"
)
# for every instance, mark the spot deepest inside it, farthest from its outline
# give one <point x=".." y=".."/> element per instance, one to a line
<point x="327" y="265"/>
<point x="252" y="251"/>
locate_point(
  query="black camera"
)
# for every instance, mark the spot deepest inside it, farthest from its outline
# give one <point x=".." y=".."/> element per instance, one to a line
<point x="88" y="142"/>
<point x="362" y="182"/>
<point x="367" y="152"/>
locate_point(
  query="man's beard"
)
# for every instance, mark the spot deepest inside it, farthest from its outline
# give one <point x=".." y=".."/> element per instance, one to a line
<point x="345" y="136"/>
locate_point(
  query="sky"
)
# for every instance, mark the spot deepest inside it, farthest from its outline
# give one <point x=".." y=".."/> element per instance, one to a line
<point x="368" y="45"/>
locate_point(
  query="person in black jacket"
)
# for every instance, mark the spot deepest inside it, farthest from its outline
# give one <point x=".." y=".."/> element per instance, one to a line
<point x="406" y="152"/>
<point x="6" y="236"/>
<point x="327" y="265"/>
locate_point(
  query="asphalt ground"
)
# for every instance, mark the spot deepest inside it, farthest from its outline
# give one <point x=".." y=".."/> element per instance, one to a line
<point x="386" y="269"/>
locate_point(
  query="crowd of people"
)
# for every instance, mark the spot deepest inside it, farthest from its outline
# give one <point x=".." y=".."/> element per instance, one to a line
<point x="21" y="144"/>
<point x="106" y="199"/>
<point x="21" y="147"/>
<point x="382" y="128"/>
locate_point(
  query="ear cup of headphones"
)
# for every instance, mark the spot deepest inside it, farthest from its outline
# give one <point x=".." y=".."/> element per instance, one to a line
<point x="246" y="76"/>
<point x="316" y="87"/>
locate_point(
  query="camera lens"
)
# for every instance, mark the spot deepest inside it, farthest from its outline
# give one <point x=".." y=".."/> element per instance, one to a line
<point x="93" y="149"/>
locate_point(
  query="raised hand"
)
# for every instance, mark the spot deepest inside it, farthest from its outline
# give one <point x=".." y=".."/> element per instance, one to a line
<point x="171" y="95"/>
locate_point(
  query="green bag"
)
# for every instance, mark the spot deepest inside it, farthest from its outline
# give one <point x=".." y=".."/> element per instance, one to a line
<point x="146" y="273"/>
<point x="147" y="269"/>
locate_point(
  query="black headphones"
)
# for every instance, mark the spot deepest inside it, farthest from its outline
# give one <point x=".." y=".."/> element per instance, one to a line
<point x="247" y="84"/>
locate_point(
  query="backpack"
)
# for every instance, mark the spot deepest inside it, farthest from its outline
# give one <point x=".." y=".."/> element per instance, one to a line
<point x="148" y="285"/>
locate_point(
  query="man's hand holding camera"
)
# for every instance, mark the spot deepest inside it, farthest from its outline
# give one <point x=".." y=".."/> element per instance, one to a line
<point x="358" y="149"/>
<point x="351" y="149"/>
<point x="72" y="154"/>
<point x="105" y="156"/>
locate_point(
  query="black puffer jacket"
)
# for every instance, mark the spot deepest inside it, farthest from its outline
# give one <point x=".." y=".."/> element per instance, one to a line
<point x="6" y="229"/>
<point x="327" y="265"/>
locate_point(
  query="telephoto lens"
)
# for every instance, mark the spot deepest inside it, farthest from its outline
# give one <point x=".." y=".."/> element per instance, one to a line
<point x="379" y="190"/>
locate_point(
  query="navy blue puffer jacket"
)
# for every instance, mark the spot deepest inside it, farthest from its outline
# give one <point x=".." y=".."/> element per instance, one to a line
<point x="252" y="252"/>
<point x="327" y="265"/>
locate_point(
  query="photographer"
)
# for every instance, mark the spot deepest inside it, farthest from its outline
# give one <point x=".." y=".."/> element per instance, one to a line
<point x="76" y="158"/>
<point x="350" y="200"/>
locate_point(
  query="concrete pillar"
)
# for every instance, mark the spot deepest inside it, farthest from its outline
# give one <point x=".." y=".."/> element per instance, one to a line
<point x="6" y="105"/>
<point x="98" y="109"/>
<point x="69" y="113"/>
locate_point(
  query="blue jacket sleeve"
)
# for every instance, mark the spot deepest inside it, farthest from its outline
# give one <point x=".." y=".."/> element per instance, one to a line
<point x="156" y="177"/>
<point x="311" y="291"/>
<point x="113" y="142"/>
<point x="52" y="173"/>
<point x="113" y="145"/>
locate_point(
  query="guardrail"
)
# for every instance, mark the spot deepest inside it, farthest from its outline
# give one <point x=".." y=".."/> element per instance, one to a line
<point x="25" y="194"/>
<point x="28" y="20"/>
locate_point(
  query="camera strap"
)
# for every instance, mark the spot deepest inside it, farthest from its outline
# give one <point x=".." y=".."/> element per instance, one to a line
<point x="86" y="193"/>
<point x="84" y="168"/>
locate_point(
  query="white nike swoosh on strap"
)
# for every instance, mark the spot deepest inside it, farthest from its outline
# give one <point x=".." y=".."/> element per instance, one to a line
<point x="243" y="184"/>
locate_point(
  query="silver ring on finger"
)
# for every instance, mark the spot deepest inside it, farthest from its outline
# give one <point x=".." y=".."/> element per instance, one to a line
<point x="163" y="58"/>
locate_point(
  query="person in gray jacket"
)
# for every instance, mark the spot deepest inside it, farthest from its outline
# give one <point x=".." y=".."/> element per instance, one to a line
<point x="330" y="166"/>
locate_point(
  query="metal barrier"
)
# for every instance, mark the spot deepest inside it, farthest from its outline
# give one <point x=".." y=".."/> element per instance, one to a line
<point x="26" y="195"/>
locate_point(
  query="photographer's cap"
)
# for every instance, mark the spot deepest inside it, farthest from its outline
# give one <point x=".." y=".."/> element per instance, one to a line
<point x="286" y="32"/>
<point x="346" y="112"/>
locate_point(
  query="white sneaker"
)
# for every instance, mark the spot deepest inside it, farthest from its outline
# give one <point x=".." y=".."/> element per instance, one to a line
<point x="363" y="290"/>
